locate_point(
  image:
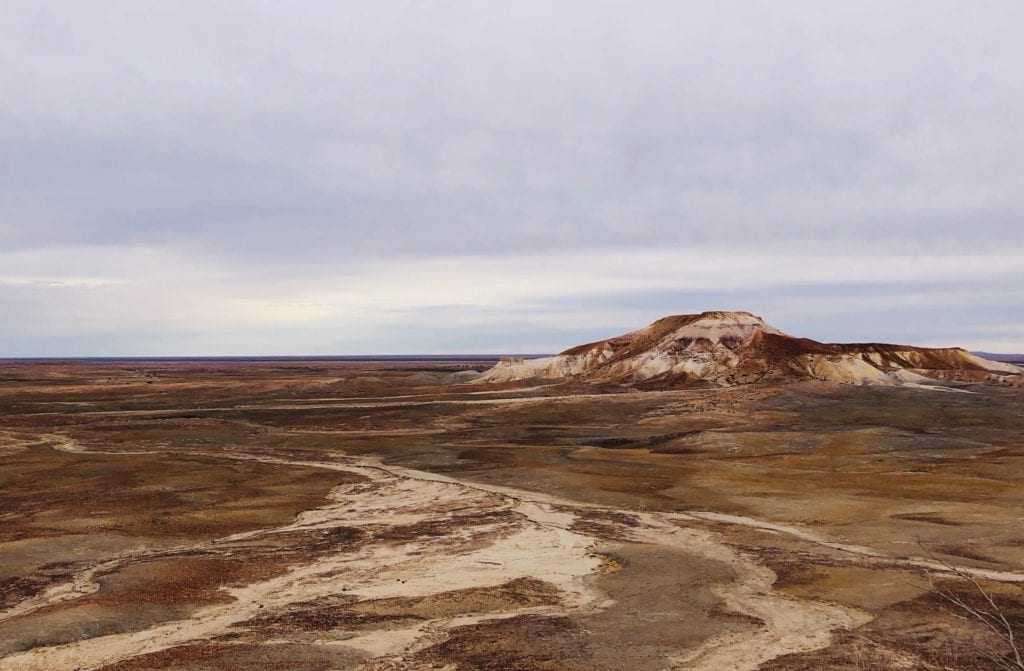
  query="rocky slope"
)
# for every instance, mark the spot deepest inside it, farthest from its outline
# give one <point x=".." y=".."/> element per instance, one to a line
<point x="729" y="348"/>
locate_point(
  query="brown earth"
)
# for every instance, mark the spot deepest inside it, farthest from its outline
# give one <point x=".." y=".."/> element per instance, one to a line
<point x="337" y="515"/>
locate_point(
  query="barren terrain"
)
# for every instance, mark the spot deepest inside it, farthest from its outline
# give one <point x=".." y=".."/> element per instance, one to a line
<point x="314" y="516"/>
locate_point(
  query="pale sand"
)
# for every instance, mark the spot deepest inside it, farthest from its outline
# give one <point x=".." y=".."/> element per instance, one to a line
<point x="538" y="542"/>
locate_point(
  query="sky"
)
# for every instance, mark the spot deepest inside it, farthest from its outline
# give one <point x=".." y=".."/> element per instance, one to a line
<point x="380" y="177"/>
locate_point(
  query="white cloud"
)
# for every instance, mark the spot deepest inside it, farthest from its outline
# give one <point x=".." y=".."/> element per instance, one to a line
<point x="143" y="290"/>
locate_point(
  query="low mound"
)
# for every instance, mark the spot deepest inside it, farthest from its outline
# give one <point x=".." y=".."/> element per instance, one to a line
<point x="729" y="348"/>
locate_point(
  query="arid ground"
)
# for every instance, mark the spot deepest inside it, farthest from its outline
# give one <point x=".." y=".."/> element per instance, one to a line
<point x="310" y="516"/>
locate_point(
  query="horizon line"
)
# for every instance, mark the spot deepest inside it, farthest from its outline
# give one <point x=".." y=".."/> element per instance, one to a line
<point x="320" y="357"/>
<point x="272" y="357"/>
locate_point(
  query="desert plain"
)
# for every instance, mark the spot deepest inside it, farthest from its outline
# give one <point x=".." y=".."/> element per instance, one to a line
<point x="336" y="515"/>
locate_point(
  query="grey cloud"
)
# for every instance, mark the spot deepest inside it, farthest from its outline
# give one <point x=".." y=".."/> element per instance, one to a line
<point x="287" y="141"/>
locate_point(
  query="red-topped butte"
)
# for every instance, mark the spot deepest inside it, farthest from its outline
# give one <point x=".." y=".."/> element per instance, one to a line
<point x="729" y="348"/>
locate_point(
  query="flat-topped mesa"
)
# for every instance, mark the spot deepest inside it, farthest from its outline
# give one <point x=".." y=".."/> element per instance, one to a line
<point x="735" y="347"/>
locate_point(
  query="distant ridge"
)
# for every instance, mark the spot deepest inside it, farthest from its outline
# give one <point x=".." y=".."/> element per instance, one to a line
<point x="1007" y="358"/>
<point x="735" y="347"/>
<point x="266" y="358"/>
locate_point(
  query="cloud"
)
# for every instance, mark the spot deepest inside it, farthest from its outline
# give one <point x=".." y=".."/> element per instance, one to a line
<point x="224" y="175"/>
<point x="131" y="296"/>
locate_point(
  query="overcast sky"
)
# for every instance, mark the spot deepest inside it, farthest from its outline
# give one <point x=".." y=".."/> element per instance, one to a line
<point x="246" y="177"/>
